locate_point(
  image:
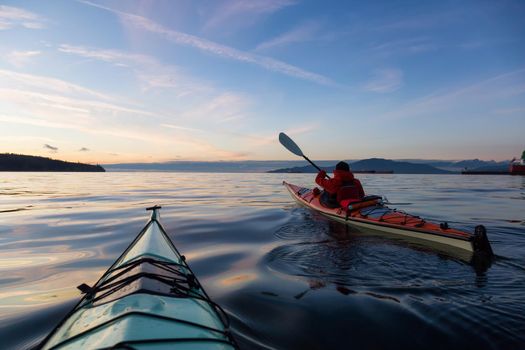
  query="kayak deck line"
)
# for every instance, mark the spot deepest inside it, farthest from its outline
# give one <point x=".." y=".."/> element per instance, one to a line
<point x="149" y="297"/>
<point x="399" y="223"/>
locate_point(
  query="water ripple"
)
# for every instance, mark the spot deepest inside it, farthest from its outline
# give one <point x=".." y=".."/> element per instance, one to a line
<point x="289" y="279"/>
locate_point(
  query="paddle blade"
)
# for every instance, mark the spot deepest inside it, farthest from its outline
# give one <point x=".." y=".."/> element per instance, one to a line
<point x="290" y="145"/>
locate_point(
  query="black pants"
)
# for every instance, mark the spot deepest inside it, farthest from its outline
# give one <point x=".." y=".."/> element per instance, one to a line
<point x="328" y="200"/>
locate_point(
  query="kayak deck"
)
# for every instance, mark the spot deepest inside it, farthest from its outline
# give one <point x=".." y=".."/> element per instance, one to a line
<point x="148" y="299"/>
<point x="377" y="217"/>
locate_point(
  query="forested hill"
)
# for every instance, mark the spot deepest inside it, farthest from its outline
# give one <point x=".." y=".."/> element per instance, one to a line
<point x="20" y="162"/>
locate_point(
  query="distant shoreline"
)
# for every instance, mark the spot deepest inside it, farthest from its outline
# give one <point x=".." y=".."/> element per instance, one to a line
<point x="24" y="163"/>
<point x="364" y="166"/>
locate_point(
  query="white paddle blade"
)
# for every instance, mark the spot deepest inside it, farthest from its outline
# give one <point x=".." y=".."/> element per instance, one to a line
<point x="290" y="145"/>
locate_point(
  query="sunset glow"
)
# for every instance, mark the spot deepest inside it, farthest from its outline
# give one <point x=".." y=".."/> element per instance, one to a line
<point x="152" y="81"/>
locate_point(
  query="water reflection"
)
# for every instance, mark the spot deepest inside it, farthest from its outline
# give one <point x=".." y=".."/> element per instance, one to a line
<point x="288" y="278"/>
<point x="22" y="259"/>
<point x="238" y="280"/>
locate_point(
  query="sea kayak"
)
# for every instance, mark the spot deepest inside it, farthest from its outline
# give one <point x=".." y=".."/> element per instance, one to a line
<point x="148" y="299"/>
<point x="372" y="215"/>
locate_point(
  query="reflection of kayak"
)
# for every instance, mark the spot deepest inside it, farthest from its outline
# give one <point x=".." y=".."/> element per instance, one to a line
<point x="372" y="214"/>
<point x="148" y="299"/>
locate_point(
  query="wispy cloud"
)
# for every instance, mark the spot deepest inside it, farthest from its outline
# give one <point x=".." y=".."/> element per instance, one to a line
<point x="259" y="139"/>
<point x="385" y="80"/>
<point x="194" y="148"/>
<point x="404" y="47"/>
<point x="84" y="149"/>
<point x="421" y="21"/>
<point x="484" y="43"/>
<point x="52" y="103"/>
<point x="27" y="139"/>
<point x="180" y="127"/>
<point x="11" y="17"/>
<point x="15" y="79"/>
<point x="148" y="70"/>
<point x="230" y="10"/>
<point x="224" y="51"/>
<point x="137" y="134"/>
<point x="498" y="88"/>
<point x="78" y="105"/>
<point x="21" y="58"/>
<point x="52" y="149"/>
<point x="219" y="107"/>
<point x="225" y="107"/>
<point x="304" y="32"/>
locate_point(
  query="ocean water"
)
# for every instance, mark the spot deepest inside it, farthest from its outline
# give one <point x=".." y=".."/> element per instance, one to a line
<point x="288" y="278"/>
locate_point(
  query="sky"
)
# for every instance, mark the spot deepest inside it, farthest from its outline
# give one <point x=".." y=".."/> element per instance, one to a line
<point x="152" y="81"/>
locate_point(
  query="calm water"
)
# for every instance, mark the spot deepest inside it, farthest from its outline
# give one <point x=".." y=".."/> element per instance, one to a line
<point x="289" y="279"/>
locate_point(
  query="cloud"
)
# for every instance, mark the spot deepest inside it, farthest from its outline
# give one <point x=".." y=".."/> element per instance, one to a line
<point x="111" y="56"/>
<point x="81" y="107"/>
<point x="259" y="139"/>
<point x="84" y="149"/>
<point x="487" y="42"/>
<point x="21" y="58"/>
<point x="404" y="47"/>
<point x="46" y="102"/>
<point x="219" y="109"/>
<point x="196" y="149"/>
<point x="422" y="21"/>
<point x="179" y="127"/>
<point x="472" y="96"/>
<point x="148" y="70"/>
<point x="11" y="17"/>
<point x="385" y="80"/>
<point x="27" y="139"/>
<point x="208" y="46"/>
<point x="305" y="129"/>
<point x="47" y="83"/>
<point x="52" y="149"/>
<point x="302" y="33"/>
<point x="231" y="10"/>
<point x="114" y="131"/>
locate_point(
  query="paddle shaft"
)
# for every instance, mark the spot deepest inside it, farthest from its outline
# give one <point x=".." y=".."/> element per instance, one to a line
<point x="315" y="166"/>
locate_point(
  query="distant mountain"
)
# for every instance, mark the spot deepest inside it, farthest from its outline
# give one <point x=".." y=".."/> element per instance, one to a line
<point x="380" y="164"/>
<point x="20" y="162"/>
<point x="491" y="168"/>
<point x="458" y="166"/>
<point x="375" y="164"/>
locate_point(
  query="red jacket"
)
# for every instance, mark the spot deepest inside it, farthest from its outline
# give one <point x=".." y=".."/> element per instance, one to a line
<point x="343" y="185"/>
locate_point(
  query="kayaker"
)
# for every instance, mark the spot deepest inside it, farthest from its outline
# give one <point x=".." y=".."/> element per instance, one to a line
<point x="341" y="189"/>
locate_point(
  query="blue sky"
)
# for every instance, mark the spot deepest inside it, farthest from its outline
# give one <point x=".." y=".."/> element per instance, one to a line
<point x="127" y="81"/>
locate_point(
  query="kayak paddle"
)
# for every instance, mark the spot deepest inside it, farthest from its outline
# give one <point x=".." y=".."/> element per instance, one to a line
<point x="291" y="146"/>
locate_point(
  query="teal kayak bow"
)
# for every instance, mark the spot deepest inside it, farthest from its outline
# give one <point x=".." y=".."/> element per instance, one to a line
<point x="148" y="299"/>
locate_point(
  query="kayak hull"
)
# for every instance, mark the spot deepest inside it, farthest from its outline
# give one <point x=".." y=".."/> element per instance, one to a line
<point x="149" y="298"/>
<point x="396" y="224"/>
